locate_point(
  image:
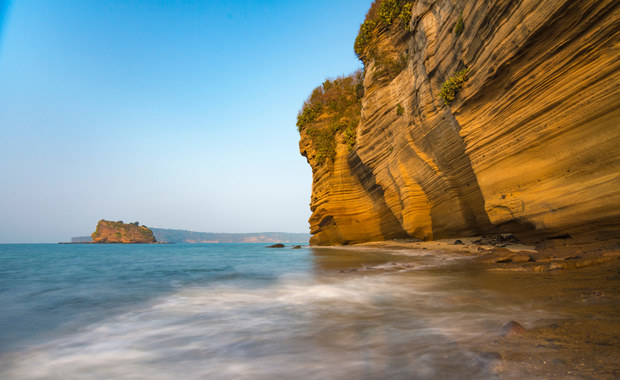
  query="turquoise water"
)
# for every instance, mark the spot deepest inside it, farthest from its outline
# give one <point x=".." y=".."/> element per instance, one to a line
<point x="47" y="290"/>
<point x="231" y="311"/>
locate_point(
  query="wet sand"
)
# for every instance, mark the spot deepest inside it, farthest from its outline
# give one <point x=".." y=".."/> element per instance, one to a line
<point x="576" y="335"/>
<point x="583" y="343"/>
<point x="506" y="253"/>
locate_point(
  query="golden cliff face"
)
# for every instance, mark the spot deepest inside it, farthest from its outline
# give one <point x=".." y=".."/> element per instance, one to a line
<point x="528" y="145"/>
<point x="119" y="232"/>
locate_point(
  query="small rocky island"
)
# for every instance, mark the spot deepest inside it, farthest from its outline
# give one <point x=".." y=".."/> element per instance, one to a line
<point x="125" y="233"/>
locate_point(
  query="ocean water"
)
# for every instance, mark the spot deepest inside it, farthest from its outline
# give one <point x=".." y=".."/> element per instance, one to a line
<point x="241" y="311"/>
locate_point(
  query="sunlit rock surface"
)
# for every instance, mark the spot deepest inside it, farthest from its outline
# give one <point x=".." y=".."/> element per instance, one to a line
<point x="530" y="145"/>
<point x="119" y="232"/>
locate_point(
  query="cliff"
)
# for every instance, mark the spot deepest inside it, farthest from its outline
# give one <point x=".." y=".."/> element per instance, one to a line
<point x="119" y="232"/>
<point x="474" y="117"/>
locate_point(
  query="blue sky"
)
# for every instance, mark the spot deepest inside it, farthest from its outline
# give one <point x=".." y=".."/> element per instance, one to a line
<point x="177" y="114"/>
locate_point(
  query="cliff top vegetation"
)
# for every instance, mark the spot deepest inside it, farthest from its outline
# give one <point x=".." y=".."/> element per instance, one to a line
<point x="333" y="109"/>
<point x="382" y="15"/>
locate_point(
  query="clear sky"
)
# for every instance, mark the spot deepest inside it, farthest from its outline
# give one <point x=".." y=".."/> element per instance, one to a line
<point x="176" y="114"/>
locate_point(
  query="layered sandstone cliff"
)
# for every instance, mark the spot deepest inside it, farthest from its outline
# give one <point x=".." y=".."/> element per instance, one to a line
<point x="119" y="232"/>
<point x="529" y="144"/>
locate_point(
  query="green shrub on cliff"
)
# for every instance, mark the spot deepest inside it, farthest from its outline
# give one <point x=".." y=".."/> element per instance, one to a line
<point x="400" y="110"/>
<point x="405" y="13"/>
<point x="347" y="129"/>
<point x="350" y="135"/>
<point x="453" y="85"/>
<point x="458" y="29"/>
<point x="380" y="16"/>
<point x="331" y="114"/>
<point x="390" y="10"/>
<point x="325" y="144"/>
<point x="308" y="115"/>
<point x="364" y="37"/>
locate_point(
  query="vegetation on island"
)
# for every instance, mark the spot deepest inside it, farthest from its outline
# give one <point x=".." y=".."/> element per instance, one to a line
<point x="331" y="115"/>
<point x="453" y="85"/>
<point x="119" y="232"/>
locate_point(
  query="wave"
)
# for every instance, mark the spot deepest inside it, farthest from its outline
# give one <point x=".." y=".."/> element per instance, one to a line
<point x="395" y="325"/>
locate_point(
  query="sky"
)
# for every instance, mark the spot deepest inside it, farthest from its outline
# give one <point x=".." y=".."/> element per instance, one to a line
<point x="176" y="114"/>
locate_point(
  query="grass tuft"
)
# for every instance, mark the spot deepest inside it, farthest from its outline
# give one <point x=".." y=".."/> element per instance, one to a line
<point x="453" y="85"/>
<point x="458" y="29"/>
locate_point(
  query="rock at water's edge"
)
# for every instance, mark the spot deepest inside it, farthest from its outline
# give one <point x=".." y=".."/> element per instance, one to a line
<point x="275" y="246"/>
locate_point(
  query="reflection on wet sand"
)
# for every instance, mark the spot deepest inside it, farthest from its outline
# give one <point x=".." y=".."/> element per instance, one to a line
<point x="572" y="317"/>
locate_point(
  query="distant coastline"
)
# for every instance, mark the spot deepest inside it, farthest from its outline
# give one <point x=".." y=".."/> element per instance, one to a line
<point x="171" y="236"/>
<point x="111" y="242"/>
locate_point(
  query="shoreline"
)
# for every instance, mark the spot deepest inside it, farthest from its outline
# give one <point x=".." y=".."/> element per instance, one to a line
<point x="441" y="316"/>
<point x="505" y="253"/>
<point x="579" y="288"/>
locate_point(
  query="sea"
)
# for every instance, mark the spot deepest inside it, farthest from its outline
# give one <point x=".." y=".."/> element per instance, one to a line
<point x="243" y="311"/>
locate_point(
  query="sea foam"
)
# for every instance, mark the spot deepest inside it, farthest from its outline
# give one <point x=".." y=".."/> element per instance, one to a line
<point x="299" y="326"/>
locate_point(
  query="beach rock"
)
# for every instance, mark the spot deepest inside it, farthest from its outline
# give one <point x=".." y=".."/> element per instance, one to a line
<point x="498" y="240"/>
<point x="495" y="255"/>
<point x="487" y="257"/>
<point x="540" y="257"/>
<point x="512" y="328"/>
<point x="297" y="247"/>
<point x="503" y="255"/>
<point x="275" y="246"/>
<point x="522" y="257"/>
<point x="458" y="242"/>
<point x="529" y="145"/>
